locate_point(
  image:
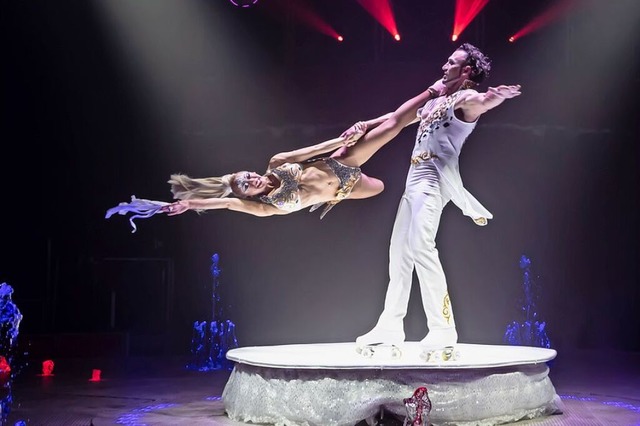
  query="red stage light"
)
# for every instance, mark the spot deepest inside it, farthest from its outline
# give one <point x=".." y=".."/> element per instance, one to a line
<point x="512" y="39"/>
<point x="397" y="37"/>
<point x="303" y="12"/>
<point x="381" y="11"/>
<point x="5" y="371"/>
<point x="466" y="10"/>
<point x="551" y="14"/>
<point x="340" y="38"/>
<point x="95" y="375"/>
<point x="47" y="368"/>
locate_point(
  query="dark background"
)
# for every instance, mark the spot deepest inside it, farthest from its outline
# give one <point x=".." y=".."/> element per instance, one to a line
<point x="104" y="99"/>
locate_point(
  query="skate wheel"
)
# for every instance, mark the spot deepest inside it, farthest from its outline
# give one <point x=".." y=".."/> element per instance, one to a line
<point x="447" y="353"/>
<point x="433" y="356"/>
<point x="367" y="352"/>
<point x="427" y="356"/>
<point x="396" y="353"/>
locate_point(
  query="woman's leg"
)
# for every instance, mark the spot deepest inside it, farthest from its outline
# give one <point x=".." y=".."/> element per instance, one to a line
<point x="366" y="187"/>
<point x="375" y="139"/>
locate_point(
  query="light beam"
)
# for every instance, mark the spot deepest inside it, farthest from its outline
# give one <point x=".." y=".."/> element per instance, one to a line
<point x="466" y="11"/>
<point x="381" y="11"/>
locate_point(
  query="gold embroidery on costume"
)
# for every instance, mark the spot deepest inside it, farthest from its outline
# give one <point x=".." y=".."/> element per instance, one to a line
<point x="437" y="115"/>
<point x="423" y="156"/>
<point x="480" y="221"/>
<point x="446" y="311"/>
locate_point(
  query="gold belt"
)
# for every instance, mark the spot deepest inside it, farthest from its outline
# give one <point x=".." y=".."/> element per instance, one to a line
<point x="424" y="156"/>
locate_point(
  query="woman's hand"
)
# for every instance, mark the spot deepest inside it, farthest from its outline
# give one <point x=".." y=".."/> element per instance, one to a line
<point x="353" y="133"/>
<point x="176" y="208"/>
<point x="438" y="88"/>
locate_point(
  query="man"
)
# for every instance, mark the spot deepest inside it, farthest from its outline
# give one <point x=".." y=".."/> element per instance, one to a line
<point x="447" y="118"/>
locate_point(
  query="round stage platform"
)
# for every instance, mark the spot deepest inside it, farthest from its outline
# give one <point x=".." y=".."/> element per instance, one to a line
<point x="331" y="384"/>
<point x="344" y="355"/>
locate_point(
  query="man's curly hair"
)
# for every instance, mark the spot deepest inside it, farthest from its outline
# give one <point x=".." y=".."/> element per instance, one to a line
<point x="479" y="62"/>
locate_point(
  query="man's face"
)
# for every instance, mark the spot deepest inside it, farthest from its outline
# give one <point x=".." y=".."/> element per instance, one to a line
<point x="455" y="68"/>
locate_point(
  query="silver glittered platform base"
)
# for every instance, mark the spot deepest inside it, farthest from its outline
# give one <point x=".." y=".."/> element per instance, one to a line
<point x="331" y="384"/>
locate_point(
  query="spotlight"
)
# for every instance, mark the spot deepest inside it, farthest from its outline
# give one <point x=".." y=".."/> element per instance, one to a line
<point x="302" y="12"/>
<point x="466" y="11"/>
<point x="454" y="37"/>
<point x="559" y="9"/>
<point x="381" y="11"/>
<point x="243" y="3"/>
<point x="512" y="39"/>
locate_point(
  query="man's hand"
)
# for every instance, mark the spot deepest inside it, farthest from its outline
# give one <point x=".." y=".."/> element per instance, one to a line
<point x="353" y="133"/>
<point x="176" y="208"/>
<point x="504" y="91"/>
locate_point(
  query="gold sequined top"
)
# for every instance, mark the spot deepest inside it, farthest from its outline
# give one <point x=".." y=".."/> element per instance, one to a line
<point x="287" y="195"/>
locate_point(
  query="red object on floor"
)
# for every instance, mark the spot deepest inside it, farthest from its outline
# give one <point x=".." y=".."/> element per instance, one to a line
<point x="47" y="368"/>
<point x="95" y="375"/>
<point x="5" y="371"/>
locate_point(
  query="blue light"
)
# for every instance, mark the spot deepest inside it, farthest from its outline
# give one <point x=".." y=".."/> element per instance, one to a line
<point x="618" y="404"/>
<point x="211" y="340"/>
<point x="134" y="417"/>
<point x="531" y="331"/>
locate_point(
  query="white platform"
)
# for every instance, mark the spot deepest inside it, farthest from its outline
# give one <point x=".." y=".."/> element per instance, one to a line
<point x="344" y="356"/>
<point x="331" y="384"/>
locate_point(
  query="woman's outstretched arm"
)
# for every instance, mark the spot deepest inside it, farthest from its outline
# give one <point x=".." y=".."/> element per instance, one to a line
<point x="255" y="208"/>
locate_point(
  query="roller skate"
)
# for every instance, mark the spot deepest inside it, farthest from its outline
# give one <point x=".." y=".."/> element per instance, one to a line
<point x="439" y="346"/>
<point x="380" y="341"/>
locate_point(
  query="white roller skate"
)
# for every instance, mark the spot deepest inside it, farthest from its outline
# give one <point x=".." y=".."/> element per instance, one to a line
<point x="439" y="346"/>
<point x="381" y="342"/>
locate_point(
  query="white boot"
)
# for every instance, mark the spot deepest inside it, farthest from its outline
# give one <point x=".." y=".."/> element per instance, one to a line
<point x="439" y="338"/>
<point x="380" y="335"/>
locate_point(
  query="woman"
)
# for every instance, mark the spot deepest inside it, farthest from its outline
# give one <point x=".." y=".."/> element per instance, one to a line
<point x="294" y="180"/>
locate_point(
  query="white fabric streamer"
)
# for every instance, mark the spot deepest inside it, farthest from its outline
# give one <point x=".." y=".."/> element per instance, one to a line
<point x="141" y="209"/>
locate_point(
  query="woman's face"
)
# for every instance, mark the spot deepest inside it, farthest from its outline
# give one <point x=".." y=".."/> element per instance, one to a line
<point x="250" y="184"/>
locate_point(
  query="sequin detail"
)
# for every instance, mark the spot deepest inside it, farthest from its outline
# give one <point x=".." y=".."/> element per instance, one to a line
<point x="287" y="195"/>
<point x="348" y="177"/>
<point x="437" y="116"/>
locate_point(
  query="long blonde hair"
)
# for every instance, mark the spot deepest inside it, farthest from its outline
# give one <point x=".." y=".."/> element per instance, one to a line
<point x="185" y="188"/>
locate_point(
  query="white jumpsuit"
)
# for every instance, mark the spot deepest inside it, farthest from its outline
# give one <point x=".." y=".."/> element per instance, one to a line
<point x="433" y="180"/>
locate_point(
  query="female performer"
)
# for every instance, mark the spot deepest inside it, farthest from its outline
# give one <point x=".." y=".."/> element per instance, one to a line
<point x="294" y="180"/>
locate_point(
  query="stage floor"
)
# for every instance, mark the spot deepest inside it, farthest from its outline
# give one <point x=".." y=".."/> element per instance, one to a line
<point x="597" y="388"/>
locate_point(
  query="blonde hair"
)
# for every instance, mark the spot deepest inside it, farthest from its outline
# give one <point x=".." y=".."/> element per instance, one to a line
<point x="185" y="188"/>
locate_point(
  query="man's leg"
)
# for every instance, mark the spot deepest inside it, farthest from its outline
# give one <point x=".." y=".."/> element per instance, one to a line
<point x="390" y="326"/>
<point x="433" y="283"/>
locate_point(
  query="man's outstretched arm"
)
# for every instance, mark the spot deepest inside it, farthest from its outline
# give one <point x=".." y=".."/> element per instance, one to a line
<point x="475" y="104"/>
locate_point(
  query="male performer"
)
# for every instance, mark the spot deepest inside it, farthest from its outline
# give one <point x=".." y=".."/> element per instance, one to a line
<point x="446" y="120"/>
